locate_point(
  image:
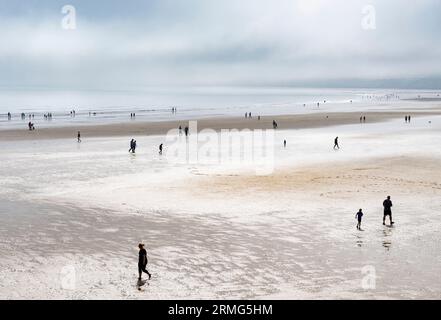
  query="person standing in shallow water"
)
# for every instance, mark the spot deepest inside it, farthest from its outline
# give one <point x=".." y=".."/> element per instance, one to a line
<point x="387" y="204"/>
<point x="358" y="216"/>
<point x="142" y="261"/>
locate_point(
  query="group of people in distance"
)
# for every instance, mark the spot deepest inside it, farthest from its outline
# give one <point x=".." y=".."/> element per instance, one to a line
<point x="407" y="118"/>
<point x="387" y="205"/>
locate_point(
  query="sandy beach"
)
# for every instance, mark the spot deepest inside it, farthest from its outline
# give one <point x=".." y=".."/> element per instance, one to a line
<point x="318" y="119"/>
<point x="73" y="213"/>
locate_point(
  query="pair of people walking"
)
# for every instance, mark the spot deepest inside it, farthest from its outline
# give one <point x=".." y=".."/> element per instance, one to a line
<point x="132" y="146"/>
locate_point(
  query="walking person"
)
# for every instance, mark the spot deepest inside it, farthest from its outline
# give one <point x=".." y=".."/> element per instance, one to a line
<point x="132" y="146"/>
<point x="160" y="148"/>
<point x="142" y="261"/>
<point x="79" y="136"/>
<point x="359" y="216"/>
<point x="387" y="204"/>
<point x="284" y="143"/>
<point x="336" y="146"/>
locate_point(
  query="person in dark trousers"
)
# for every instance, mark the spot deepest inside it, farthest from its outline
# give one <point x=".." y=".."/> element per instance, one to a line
<point x="405" y="118"/>
<point x="186" y="131"/>
<point x="142" y="262"/>
<point x="284" y="143"/>
<point x="387" y="204"/>
<point x="79" y="136"/>
<point x="132" y="145"/>
<point x="408" y="118"/>
<point x="336" y="146"/>
<point x="160" y="148"/>
<point x="358" y="216"/>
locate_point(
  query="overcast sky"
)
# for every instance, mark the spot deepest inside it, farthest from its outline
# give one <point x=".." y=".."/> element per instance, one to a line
<point x="129" y="44"/>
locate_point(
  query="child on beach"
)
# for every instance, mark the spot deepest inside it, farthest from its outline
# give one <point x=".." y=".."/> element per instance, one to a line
<point x="358" y="216"/>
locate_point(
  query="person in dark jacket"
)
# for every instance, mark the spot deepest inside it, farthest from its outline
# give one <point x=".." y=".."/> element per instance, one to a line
<point x="387" y="204"/>
<point x="142" y="262"/>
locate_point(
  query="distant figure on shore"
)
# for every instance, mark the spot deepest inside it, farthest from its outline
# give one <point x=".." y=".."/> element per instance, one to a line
<point x="408" y="118"/>
<point x="274" y="124"/>
<point x="318" y="104"/>
<point x="180" y="130"/>
<point x="361" y="119"/>
<point x="364" y="118"/>
<point x="284" y="143"/>
<point x="258" y="118"/>
<point x="142" y="262"/>
<point x="79" y="136"/>
<point x="31" y="126"/>
<point x="246" y="115"/>
<point x="405" y="119"/>
<point x="186" y="131"/>
<point x="132" y="146"/>
<point x="160" y="148"/>
<point x="336" y="146"/>
<point x="9" y="116"/>
<point x="249" y="115"/>
<point x="358" y="216"/>
<point x="387" y="204"/>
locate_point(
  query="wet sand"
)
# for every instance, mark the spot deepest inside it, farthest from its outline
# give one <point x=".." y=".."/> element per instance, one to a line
<point x="306" y="247"/>
<point x="136" y="128"/>
<point x="287" y="235"/>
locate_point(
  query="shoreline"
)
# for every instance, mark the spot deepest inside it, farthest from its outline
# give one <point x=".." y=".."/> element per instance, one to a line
<point x="149" y="128"/>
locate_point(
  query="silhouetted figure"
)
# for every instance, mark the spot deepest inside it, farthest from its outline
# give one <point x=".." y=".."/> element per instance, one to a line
<point x="336" y="146"/>
<point x="258" y="118"/>
<point x="79" y="136"/>
<point x="246" y="115"/>
<point x="160" y="148"/>
<point x="274" y="124"/>
<point x="364" y="118"/>
<point x="249" y="115"/>
<point x="358" y="216"/>
<point x="186" y="131"/>
<point x="180" y="130"/>
<point x="405" y="119"/>
<point x="132" y="146"/>
<point x="408" y="118"/>
<point x="284" y="143"/>
<point x="361" y="119"/>
<point x="142" y="261"/>
<point x="9" y="116"/>
<point x="387" y="204"/>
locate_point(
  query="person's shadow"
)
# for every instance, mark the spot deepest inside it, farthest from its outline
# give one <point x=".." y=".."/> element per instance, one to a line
<point x="141" y="283"/>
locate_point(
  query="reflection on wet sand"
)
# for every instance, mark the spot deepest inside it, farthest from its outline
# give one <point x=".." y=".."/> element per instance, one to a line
<point x="387" y="241"/>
